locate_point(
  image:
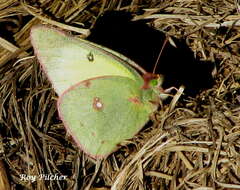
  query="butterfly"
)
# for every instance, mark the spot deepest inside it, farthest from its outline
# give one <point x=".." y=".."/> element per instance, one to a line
<point x="104" y="97"/>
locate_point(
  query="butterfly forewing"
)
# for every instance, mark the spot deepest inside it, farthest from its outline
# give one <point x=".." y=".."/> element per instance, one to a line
<point x="68" y="60"/>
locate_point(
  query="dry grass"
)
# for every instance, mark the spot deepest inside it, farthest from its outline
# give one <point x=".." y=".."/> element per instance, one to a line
<point x="191" y="146"/>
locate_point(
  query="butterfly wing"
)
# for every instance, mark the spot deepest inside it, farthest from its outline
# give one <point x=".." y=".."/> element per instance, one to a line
<point x="68" y="60"/>
<point x="99" y="116"/>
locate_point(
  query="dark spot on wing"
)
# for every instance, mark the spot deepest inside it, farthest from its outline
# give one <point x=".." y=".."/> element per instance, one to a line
<point x="135" y="100"/>
<point x="97" y="104"/>
<point x="90" y="57"/>
<point x="87" y="83"/>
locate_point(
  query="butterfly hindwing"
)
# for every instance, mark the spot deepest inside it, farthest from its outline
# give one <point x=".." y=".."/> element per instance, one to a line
<point x="102" y="112"/>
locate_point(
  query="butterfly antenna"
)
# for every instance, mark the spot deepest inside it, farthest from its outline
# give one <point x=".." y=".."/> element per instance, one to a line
<point x="160" y="53"/>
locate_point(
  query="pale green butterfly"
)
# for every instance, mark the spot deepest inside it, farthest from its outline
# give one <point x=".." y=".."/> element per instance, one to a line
<point x="103" y="100"/>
